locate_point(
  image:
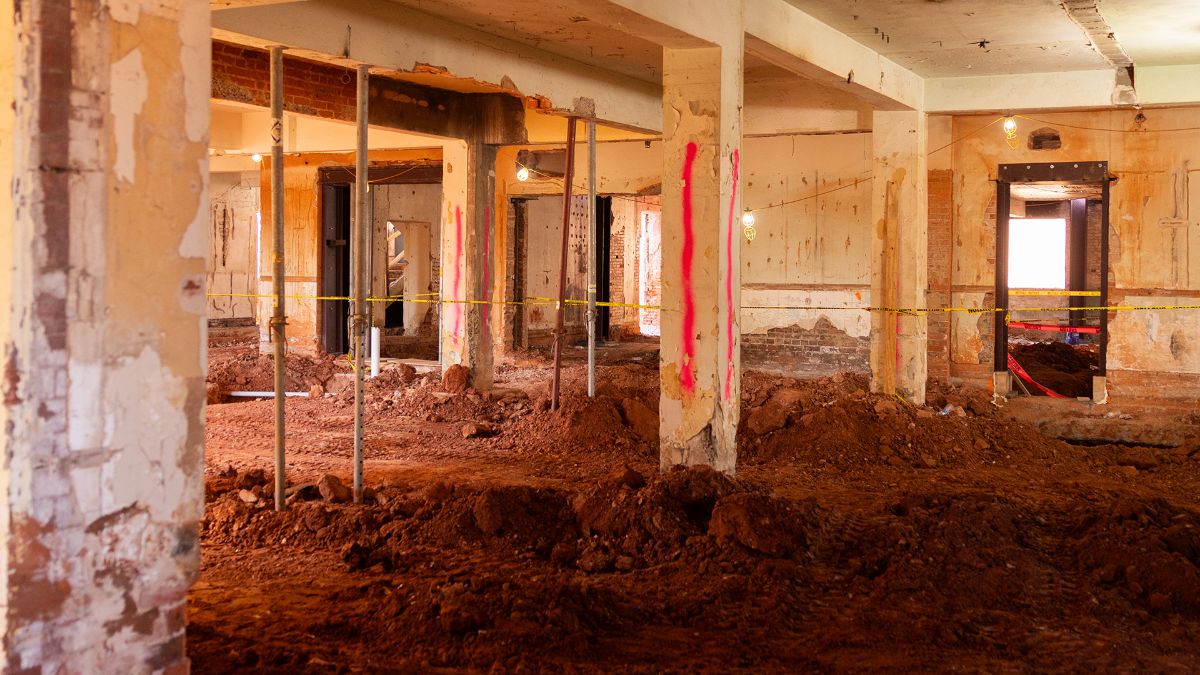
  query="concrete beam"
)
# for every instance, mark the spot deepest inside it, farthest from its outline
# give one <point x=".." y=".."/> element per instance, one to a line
<point x="240" y="75"/>
<point x="1083" y="89"/>
<point x="389" y="36"/>
<point x="779" y="33"/>
<point x="1168" y="85"/>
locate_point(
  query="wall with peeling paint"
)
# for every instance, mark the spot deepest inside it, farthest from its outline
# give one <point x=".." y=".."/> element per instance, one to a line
<point x="1154" y="230"/>
<point x="233" y="245"/>
<point x="103" y="335"/>
<point x="303" y="239"/>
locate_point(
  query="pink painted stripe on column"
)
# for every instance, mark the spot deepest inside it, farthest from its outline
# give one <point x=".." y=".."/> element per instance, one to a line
<point x="729" y="336"/>
<point x="687" y="381"/>
<point x="455" y="295"/>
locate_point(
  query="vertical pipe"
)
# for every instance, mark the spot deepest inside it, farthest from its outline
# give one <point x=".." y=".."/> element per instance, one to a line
<point x="374" y="351"/>
<point x="278" y="319"/>
<point x="562" y="263"/>
<point x="593" y="263"/>
<point x="362" y="219"/>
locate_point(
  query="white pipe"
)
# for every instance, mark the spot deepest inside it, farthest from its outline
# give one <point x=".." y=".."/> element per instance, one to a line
<point x="265" y="394"/>
<point x="374" y="351"/>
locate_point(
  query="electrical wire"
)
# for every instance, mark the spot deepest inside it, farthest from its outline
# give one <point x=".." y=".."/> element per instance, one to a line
<point x="1110" y="131"/>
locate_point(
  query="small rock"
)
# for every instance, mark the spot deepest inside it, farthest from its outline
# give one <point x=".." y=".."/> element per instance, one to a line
<point x="768" y="417"/>
<point x="477" y="430"/>
<point x="333" y="490"/>
<point x="640" y="418"/>
<point x="1143" y="460"/>
<point x="247" y="496"/>
<point x="886" y="406"/>
<point x="454" y="379"/>
<point x="982" y="444"/>
<point x="787" y="398"/>
<point x="624" y="563"/>
<point x="926" y="461"/>
<point x="316" y="391"/>
<point x="304" y="491"/>
<point x="1128" y="470"/>
<point x="628" y="477"/>
<point x="595" y="561"/>
<point x="215" y="393"/>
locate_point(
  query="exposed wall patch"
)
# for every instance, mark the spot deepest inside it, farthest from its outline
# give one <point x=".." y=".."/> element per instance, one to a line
<point x="130" y="90"/>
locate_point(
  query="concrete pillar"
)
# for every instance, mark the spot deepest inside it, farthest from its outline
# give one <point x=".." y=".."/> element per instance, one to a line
<point x="899" y="254"/>
<point x="102" y="330"/>
<point x="701" y="288"/>
<point x="468" y="257"/>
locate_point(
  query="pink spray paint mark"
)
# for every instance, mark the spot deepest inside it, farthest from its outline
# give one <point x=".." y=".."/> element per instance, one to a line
<point x="487" y="268"/>
<point x="456" y="296"/>
<point x="729" y="282"/>
<point x="686" y="379"/>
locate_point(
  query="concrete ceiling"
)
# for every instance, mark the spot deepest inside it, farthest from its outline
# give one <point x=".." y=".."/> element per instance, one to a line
<point x="586" y="32"/>
<point x="953" y="38"/>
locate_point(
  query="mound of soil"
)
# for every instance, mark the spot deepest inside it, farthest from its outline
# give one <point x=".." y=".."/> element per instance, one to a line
<point x="245" y="369"/>
<point x="1063" y="368"/>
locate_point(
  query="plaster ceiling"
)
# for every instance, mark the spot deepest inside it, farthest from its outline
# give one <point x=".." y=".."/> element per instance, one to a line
<point x="590" y="33"/>
<point x="954" y="38"/>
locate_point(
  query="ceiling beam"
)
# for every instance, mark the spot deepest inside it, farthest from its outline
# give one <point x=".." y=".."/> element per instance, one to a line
<point x="391" y="37"/>
<point x="778" y="32"/>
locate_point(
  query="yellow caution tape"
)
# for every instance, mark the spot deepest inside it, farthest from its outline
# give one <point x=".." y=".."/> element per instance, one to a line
<point x="914" y="311"/>
<point x="1073" y="294"/>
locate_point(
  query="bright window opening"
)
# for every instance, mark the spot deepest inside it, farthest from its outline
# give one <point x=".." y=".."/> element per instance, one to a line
<point x="1037" y="253"/>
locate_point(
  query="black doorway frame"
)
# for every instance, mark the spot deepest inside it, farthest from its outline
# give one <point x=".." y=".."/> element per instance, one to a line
<point x="1079" y="173"/>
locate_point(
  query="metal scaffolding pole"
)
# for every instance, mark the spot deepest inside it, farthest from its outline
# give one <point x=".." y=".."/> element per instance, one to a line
<point x="278" y="318"/>
<point x="562" y="264"/>
<point x="592" y="262"/>
<point x="362" y="223"/>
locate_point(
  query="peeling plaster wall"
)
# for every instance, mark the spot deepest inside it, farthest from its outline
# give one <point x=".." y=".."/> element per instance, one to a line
<point x="814" y="252"/>
<point x="233" y="244"/>
<point x="104" y="333"/>
<point x="302" y="232"/>
<point x="1154" y="231"/>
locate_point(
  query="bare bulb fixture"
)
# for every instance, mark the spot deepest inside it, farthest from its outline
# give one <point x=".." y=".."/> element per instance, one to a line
<point x="1010" y="131"/>
<point x="522" y="174"/>
<point x="748" y="230"/>
<point x="256" y="157"/>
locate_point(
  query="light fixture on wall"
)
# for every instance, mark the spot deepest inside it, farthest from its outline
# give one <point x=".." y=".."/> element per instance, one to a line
<point x="1010" y="131"/>
<point x="522" y="174"/>
<point x="748" y="230"/>
<point x="256" y="157"/>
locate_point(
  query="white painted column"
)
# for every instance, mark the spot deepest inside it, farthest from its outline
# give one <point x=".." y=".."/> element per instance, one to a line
<point x="701" y="288"/>
<point x="899" y="254"/>
<point x="468" y="231"/>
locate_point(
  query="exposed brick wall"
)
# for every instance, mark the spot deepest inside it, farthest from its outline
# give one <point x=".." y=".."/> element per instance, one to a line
<point x="616" y="280"/>
<point x="940" y="255"/>
<point x="243" y="74"/>
<point x="821" y="350"/>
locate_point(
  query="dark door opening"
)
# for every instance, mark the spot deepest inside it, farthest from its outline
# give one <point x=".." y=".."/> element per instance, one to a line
<point x="335" y="267"/>
<point x="603" y="264"/>
<point x="1051" y="266"/>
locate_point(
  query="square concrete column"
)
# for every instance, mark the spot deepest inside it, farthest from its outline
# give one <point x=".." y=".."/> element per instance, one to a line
<point x="701" y="238"/>
<point x="899" y="255"/>
<point x="104" y="221"/>
<point x="468" y="258"/>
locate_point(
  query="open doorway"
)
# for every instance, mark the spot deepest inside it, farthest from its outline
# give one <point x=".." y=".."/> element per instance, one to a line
<point x="405" y="200"/>
<point x="1051" y="261"/>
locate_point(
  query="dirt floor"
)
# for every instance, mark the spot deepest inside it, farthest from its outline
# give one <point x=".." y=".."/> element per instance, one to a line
<point x="1060" y="367"/>
<point x="860" y="534"/>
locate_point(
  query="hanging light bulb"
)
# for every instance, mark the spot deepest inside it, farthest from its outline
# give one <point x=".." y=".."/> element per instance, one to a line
<point x="522" y="174"/>
<point x="748" y="230"/>
<point x="256" y="157"/>
<point x="1010" y="131"/>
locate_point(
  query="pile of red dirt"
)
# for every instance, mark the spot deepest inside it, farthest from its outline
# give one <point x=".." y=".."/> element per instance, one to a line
<point x="245" y="369"/>
<point x="632" y="570"/>
<point x="1062" y="368"/>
